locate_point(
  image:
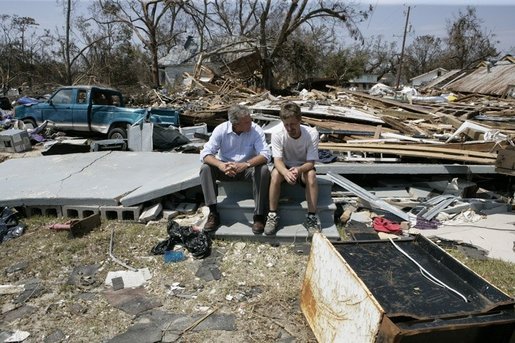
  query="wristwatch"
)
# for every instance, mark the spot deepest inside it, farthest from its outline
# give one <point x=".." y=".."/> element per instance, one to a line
<point x="248" y="164"/>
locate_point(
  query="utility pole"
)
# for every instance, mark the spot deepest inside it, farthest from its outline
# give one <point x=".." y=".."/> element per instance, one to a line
<point x="402" y="50"/>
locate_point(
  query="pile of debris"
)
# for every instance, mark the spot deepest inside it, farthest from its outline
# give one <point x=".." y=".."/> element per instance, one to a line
<point x="470" y="129"/>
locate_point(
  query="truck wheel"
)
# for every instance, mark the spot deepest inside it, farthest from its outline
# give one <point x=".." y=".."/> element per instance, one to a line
<point x="29" y="124"/>
<point x="117" y="133"/>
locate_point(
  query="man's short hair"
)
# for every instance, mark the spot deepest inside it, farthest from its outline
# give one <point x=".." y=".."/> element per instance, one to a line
<point x="290" y="109"/>
<point x="236" y="112"/>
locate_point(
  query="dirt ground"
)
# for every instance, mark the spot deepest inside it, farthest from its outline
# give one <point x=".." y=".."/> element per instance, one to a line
<point x="258" y="284"/>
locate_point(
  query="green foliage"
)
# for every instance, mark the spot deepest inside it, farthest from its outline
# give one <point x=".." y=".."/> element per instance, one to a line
<point x="345" y="64"/>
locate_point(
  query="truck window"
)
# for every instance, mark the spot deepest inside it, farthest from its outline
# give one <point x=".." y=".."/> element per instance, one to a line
<point x="81" y="96"/>
<point x="63" y="96"/>
<point x="99" y="99"/>
<point x="116" y="100"/>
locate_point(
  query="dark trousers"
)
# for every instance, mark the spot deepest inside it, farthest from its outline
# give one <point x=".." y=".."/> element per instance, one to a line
<point x="260" y="176"/>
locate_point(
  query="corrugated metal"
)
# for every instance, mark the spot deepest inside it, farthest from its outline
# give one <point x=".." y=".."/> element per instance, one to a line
<point x="482" y="81"/>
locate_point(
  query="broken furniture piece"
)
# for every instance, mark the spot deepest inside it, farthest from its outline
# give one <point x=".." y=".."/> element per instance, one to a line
<point x="477" y="132"/>
<point x="370" y="291"/>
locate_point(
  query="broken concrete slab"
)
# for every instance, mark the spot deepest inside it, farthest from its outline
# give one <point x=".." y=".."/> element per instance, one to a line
<point x="493" y="234"/>
<point x="17" y="336"/>
<point x="208" y="269"/>
<point x="158" y="326"/>
<point x="55" y="337"/>
<point x="33" y="289"/>
<point x="19" y="312"/>
<point x="151" y="213"/>
<point x="17" y="267"/>
<point x="113" y="177"/>
<point x="132" y="300"/>
<point x="139" y="333"/>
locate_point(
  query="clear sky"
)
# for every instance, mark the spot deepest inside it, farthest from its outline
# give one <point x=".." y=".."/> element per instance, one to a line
<point x="388" y="20"/>
<point x="426" y="17"/>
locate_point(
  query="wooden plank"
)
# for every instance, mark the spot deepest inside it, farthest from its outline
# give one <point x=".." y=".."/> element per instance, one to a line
<point x="403" y="128"/>
<point x="344" y="126"/>
<point x="391" y="102"/>
<point x="411" y="153"/>
<point x="415" y="147"/>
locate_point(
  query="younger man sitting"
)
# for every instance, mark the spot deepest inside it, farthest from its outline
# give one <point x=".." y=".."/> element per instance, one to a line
<point x="294" y="150"/>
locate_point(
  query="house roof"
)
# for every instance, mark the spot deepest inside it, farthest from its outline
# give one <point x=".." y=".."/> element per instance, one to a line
<point x="484" y="80"/>
<point x="442" y="79"/>
<point x="439" y="69"/>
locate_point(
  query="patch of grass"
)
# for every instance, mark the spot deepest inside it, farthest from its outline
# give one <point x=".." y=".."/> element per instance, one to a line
<point x="497" y="272"/>
<point x="260" y="284"/>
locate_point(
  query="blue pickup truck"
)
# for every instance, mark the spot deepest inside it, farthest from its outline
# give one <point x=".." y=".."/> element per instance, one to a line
<point x="92" y="109"/>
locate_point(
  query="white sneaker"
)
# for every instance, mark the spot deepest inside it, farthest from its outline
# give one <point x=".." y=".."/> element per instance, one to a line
<point x="312" y="224"/>
<point x="271" y="224"/>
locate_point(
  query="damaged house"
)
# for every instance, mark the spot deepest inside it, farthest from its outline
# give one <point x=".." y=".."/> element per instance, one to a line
<point x="489" y="78"/>
<point x="233" y="59"/>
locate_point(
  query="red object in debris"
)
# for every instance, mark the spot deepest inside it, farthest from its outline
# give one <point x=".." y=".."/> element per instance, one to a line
<point x="384" y="225"/>
<point x="65" y="226"/>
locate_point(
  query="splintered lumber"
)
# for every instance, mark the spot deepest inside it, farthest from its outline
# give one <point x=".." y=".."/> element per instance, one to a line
<point x="479" y="146"/>
<point x="450" y="120"/>
<point x="415" y="150"/>
<point x="391" y="102"/>
<point x="406" y="115"/>
<point x="343" y="126"/>
<point x="403" y="128"/>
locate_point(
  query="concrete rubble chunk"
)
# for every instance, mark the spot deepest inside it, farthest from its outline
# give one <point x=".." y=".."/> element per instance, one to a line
<point x="131" y="279"/>
<point x="151" y="213"/>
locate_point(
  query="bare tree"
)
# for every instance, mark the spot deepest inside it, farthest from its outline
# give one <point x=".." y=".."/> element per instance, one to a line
<point x="423" y="55"/>
<point x="296" y="14"/>
<point x="271" y="23"/>
<point x="17" y="47"/>
<point x="146" y="18"/>
<point x="467" y="42"/>
<point x="380" y="56"/>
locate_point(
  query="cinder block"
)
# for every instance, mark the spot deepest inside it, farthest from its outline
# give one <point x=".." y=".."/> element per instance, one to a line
<point x="14" y="140"/>
<point x="43" y="210"/>
<point x="80" y="211"/>
<point x="129" y="213"/>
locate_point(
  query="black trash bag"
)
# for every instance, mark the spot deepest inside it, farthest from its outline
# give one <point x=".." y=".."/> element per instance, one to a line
<point x="167" y="138"/>
<point x="161" y="247"/>
<point x="14" y="232"/>
<point x="8" y="217"/>
<point x="9" y="226"/>
<point x="196" y="241"/>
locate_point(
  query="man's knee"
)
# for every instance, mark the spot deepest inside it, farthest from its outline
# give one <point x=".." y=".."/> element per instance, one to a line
<point x="263" y="168"/>
<point x="262" y="171"/>
<point x="205" y="169"/>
